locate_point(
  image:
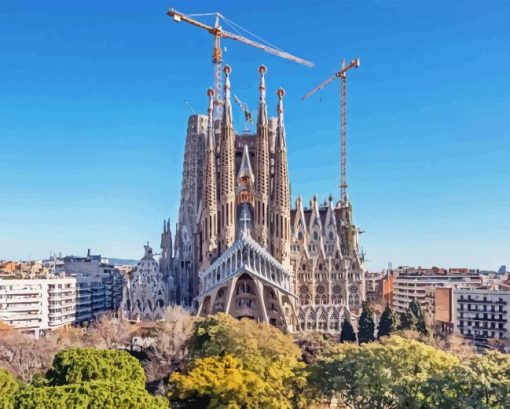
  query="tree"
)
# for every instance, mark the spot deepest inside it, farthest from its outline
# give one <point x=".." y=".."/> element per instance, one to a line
<point x="421" y="324"/>
<point x="258" y="347"/>
<point x="80" y="365"/>
<point x="392" y="374"/>
<point x="170" y="345"/>
<point x="387" y="323"/>
<point x="221" y="382"/>
<point x="88" y="395"/>
<point x="366" y="324"/>
<point x="407" y="321"/>
<point x="8" y="387"/>
<point x="481" y="381"/>
<point x="347" y="334"/>
<point x="110" y="331"/>
<point x="25" y="356"/>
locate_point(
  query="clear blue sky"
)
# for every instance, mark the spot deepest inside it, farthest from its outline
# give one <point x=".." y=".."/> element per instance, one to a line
<point x="92" y="120"/>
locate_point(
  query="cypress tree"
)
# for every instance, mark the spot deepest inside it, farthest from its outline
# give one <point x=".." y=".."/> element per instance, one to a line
<point x="387" y="322"/>
<point x="366" y="325"/>
<point x="347" y="334"/>
<point x="420" y="323"/>
<point x="407" y="321"/>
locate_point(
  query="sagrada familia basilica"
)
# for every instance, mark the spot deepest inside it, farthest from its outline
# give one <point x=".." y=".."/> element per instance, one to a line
<point x="240" y="247"/>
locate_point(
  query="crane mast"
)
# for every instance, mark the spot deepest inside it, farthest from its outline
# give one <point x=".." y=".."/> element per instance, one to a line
<point x="342" y="75"/>
<point x="218" y="33"/>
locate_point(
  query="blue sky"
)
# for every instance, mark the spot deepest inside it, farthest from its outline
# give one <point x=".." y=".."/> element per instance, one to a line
<point x="92" y="120"/>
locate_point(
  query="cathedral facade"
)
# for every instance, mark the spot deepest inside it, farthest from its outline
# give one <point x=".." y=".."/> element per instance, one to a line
<point x="240" y="248"/>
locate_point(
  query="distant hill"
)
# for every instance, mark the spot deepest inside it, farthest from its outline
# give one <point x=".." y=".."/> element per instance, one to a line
<point x="122" y="261"/>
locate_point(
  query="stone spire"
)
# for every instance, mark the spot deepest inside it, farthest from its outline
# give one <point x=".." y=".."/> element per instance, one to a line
<point x="245" y="171"/>
<point x="209" y="206"/>
<point x="281" y="193"/>
<point x="262" y="167"/>
<point x="227" y="171"/>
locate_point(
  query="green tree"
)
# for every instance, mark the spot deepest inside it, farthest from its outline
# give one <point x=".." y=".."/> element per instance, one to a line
<point x="392" y="374"/>
<point x="366" y="324"/>
<point x="221" y="382"/>
<point x="481" y="381"/>
<point x="347" y="334"/>
<point x="387" y="323"/>
<point x="89" y="395"/>
<point x="416" y="310"/>
<point x="258" y="347"/>
<point x="8" y="387"/>
<point x="79" y="365"/>
<point x="407" y="321"/>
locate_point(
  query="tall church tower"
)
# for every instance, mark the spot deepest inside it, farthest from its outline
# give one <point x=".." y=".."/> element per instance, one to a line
<point x="281" y="192"/>
<point x="262" y="166"/>
<point x="227" y="171"/>
<point x="209" y="193"/>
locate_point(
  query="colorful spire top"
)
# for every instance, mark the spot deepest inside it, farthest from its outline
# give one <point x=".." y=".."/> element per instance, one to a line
<point x="281" y="94"/>
<point x="262" y="86"/>
<point x="227" y="109"/>
<point x="262" y="118"/>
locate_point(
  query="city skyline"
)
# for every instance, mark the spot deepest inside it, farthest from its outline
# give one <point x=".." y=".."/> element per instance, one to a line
<point x="94" y="123"/>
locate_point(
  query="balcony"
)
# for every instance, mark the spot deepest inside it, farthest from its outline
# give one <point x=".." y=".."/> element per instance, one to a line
<point x="475" y="301"/>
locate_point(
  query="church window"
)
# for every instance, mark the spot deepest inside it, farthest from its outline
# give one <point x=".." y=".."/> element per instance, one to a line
<point x="315" y="235"/>
<point x="300" y="235"/>
<point x="331" y="235"/>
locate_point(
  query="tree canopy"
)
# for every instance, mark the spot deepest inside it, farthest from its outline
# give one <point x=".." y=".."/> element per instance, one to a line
<point x="387" y="323"/>
<point x="366" y="324"/>
<point x="347" y="334"/>
<point x="79" y="365"/>
<point x="256" y="353"/>
<point x="88" y="395"/>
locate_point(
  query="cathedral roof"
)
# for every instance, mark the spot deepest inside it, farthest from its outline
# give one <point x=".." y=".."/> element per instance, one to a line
<point x="266" y="267"/>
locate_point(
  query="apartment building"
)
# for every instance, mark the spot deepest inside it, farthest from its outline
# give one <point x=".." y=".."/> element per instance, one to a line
<point x="99" y="267"/>
<point x="414" y="284"/>
<point x="36" y="305"/>
<point x="481" y="313"/>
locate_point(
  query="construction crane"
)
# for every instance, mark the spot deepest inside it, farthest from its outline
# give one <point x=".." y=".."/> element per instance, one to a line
<point x="342" y="74"/>
<point x="248" y="117"/>
<point x="218" y="33"/>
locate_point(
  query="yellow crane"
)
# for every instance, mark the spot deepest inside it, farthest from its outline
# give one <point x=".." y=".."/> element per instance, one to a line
<point x="218" y="32"/>
<point x="342" y="74"/>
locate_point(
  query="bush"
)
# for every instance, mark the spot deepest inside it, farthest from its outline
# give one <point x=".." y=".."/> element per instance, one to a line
<point x="79" y="365"/>
<point x="88" y="395"/>
<point x="8" y="387"/>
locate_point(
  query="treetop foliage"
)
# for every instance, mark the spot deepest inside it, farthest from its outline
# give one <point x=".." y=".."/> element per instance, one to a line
<point x="89" y="395"/>
<point x="77" y="365"/>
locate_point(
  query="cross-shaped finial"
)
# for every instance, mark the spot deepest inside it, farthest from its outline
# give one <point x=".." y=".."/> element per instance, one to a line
<point x="245" y="219"/>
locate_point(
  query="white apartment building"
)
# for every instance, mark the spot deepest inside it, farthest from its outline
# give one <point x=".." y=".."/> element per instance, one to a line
<point x="36" y="306"/>
<point x="409" y="286"/>
<point x="480" y="314"/>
